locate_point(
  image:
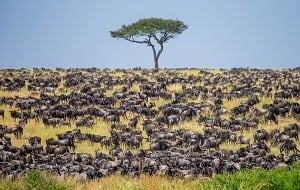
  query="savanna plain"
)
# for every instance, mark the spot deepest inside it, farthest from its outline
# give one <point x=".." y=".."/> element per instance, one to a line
<point x="142" y="129"/>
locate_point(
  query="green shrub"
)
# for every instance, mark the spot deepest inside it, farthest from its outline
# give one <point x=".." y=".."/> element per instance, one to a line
<point x="34" y="180"/>
<point x="280" y="178"/>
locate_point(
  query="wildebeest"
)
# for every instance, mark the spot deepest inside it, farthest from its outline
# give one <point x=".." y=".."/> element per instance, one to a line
<point x="32" y="149"/>
<point x="15" y="114"/>
<point x="112" y="118"/>
<point x="34" y="140"/>
<point x="261" y="135"/>
<point x="270" y="116"/>
<point x="243" y="140"/>
<point x="17" y="131"/>
<point x="69" y="142"/>
<point x="133" y="122"/>
<point x="287" y="146"/>
<point x="56" y="150"/>
<point x="86" y="121"/>
<point x="2" y="113"/>
<point x="211" y="143"/>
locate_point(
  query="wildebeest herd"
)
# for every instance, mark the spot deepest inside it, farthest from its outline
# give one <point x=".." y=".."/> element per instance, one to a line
<point x="148" y="114"/>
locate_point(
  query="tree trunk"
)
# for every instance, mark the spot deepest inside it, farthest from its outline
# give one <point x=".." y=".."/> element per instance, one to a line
<point x="155" y="63"/>
<point x="156" y="56"/>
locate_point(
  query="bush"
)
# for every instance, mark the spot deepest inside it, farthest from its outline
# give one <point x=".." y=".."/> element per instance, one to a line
<point x="281" y="178"/>
<point x="34" y="180"/>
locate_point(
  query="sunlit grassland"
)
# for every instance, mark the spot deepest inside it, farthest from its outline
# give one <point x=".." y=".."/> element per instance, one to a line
<point x="286" y="178"/>
<point x="280" y="178"/>
<point x="145" y="182"/>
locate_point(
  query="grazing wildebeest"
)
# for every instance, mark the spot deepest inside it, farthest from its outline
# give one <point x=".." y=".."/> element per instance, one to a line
<point x="261" y="135"/>
<point x="17" y="131"/>
<point x="87" y="121"/>
<point x="133" y="122"/>
<point x="287" y="146"/>
<point x="211" y="143"/>
<point x="270" y="117"/>
<point x="61" y="150"/>
<point x="32" y="149"/>
<point x="69" y="142"/>
<point x="105" y="142"/>
<point x="112" y="118"/>
<point x="2" y="113"/>
<point x="34" y="140"/>
<point x="15" y="114"/>
<point x="243" y="140"/>
<point x="56" y="149"/>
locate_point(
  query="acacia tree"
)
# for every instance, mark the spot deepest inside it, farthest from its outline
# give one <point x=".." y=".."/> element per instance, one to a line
<point x="151" y="31"/>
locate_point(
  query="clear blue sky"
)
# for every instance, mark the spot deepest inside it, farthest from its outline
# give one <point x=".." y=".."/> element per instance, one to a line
<point x="221" y="34"/>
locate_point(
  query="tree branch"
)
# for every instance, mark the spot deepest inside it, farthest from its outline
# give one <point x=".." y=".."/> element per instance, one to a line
<point x="131" y="39"/>
<point x="161" y="49"/>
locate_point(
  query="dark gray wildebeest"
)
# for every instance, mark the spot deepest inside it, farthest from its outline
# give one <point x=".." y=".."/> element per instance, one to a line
<point x="173" y="120"/>
<point x="51" y="121"/>
<point x="292" y="130"/>
<point x="2" y="113"/>
<point x="279" y="138"/>
<point x="243" y="140"/>
<point x="34" y="140"/>
<point x="86" y="121"/>
<point x="161" y="145"/>
<point x="287" y="146"/>
<point x="111" y="118"/>
<point x="211" y="143"/>
<point x="56" y="149"/>
<point x="270" y="116"/>
<point x="133" y="122"/>
<point x="63" y="142"/>
<point x="32" y="149"/>
<point x="15" y="114"/>
<point x="261" y="135"/>
<point x="17" y="131"/>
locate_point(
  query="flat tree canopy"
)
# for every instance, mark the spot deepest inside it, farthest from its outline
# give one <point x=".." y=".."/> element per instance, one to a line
<point x="150" y="31"/>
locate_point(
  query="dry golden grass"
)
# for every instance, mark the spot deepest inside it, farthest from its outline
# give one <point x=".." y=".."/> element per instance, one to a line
<point x="145" y="182"/>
